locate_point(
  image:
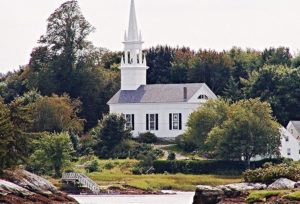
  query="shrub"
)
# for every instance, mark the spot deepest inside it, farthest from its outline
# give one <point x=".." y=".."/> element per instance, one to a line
<point x="86" y="145"/>
<point x="147" y="138"/>
<point x="171" y="156"/>
<point x="197" y="166"/>
<point x="92" y="166"/>
<point x="86" y="158"/>
<point x="204" y="166"/>
<point x="137" y="170"/>
<point x="144" y="166"/>
<point x="270" y="173"/>
<point x="108" y="165"/>
<point x="185" y="144"/>
<point x="133" y="150"/>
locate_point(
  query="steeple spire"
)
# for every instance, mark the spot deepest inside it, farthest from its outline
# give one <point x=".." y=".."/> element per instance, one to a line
<point x="133" y="64"/>
<point x="132" y="28"/>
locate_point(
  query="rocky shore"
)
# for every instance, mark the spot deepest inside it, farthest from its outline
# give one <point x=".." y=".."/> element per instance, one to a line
<point x="239" y="192"/>
<point x="20" y="186"/>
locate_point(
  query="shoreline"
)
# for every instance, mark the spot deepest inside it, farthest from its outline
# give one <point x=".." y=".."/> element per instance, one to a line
<point x="178" y="198"/>
<point x="121" y="195"/>
<point x="163" y="192"/>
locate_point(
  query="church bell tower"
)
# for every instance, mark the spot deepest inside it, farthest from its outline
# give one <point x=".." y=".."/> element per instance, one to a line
<point x="133" y="64"/>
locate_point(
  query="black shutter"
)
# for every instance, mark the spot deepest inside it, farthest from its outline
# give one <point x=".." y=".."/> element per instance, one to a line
<point x="156" y="118"/>
<point x="132" y="121"/>
<point x="147" y="121"/>
<point x="180" y="122"/>
<point x="170" y="121"/>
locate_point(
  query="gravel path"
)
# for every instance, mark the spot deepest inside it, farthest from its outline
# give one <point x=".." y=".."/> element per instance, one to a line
<point x="178" y="156"/>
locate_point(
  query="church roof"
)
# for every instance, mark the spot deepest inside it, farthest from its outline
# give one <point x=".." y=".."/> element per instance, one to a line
<point x="296" y="124"/>
<point x="156" y="93"/>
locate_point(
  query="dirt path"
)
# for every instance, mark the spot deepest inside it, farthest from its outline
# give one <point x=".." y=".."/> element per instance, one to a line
<point x="178" y="156"/>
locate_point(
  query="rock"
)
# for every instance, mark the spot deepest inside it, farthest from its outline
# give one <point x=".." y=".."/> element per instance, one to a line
<point x="237" y="189"/>
<point x="207" y="195"/>
<point x="245" y="186"/>
<point x="282" y="183"/>
<point x="20" y="186"/>
<point x="31" y="181"/>
<point x="7" y="187"/>
<point x="223" y="193"/>
<point x="297" y="184"/>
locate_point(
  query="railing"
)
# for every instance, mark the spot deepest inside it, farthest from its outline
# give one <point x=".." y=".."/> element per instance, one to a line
<point x="82" y="179"/>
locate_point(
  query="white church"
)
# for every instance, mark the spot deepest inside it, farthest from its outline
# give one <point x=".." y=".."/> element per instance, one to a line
<point x="162" y="109"/>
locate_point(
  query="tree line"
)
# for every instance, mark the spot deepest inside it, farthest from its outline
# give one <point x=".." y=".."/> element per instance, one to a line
<point x="271" y="75"/>
<point x="67" y="82"/>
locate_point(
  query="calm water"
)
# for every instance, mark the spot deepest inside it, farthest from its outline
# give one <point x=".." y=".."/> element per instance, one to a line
<point x="179" y="198"/>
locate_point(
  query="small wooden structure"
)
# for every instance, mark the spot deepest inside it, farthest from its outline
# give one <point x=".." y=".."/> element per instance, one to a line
<point x="83" y="180"/>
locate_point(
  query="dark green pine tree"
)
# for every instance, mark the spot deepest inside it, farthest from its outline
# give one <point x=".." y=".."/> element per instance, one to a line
<point x="6" y="135"/>
<point x="232" y="91"/>
<point x="8" y="150"/>
<point x="160" y="60"/>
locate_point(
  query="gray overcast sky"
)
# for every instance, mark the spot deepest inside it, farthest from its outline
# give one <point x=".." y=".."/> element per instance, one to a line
<point x="215" y="24"/>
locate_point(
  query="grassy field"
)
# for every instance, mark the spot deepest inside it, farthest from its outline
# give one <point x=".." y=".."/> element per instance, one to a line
<point x="263" y="195"/>
<point x="118" y="173"/>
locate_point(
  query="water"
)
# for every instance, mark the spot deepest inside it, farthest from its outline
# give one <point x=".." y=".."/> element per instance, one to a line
<point x="178" y="198"/>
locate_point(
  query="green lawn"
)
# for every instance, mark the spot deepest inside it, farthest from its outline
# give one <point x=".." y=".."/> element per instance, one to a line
<point x="118" y="173"/>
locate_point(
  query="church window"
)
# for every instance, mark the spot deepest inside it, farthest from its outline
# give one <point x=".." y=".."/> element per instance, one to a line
<point x="152" y="122"/>
<point x="291" y="130"/>
<point x="129" y="121"/>
<point x="288" y="151"/>
<point x="287" y="138"/>
<point x="175" y="121"/>
<point x="203" y="96"/>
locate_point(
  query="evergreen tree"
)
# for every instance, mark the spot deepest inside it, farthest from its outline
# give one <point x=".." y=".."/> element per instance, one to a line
<point x="159" y="59"/>
<point x="109" y="133"/>
<point x="277" y="56"/>
<point x="232" y="92"/>
<point x="14" y="143"/>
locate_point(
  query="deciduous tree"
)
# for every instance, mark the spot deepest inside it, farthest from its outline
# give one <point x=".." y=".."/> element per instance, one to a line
<point x="212" y="68"/>
<point x="57" y="114"/>
<point x="237" y="131"/>
<point x="53" y="154"/>
<point x="249" y="131"/>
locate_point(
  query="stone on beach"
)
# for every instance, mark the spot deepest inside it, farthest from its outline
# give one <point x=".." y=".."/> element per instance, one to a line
<point x="282" y="183"/>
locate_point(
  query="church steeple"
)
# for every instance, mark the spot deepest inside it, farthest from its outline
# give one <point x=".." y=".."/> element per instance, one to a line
<point x="132" y="27"/>
<point x="133" y="63"/>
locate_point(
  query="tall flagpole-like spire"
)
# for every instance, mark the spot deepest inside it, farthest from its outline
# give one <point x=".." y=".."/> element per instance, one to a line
<point x="133" y="63"/>
<point x="132" y="28"/>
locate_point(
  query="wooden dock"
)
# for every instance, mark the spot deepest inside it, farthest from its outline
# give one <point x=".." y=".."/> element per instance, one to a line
<point x="83" y="180"/>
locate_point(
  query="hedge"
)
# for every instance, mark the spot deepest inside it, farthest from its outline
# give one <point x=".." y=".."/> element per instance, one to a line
<point x="206" y="166"/>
